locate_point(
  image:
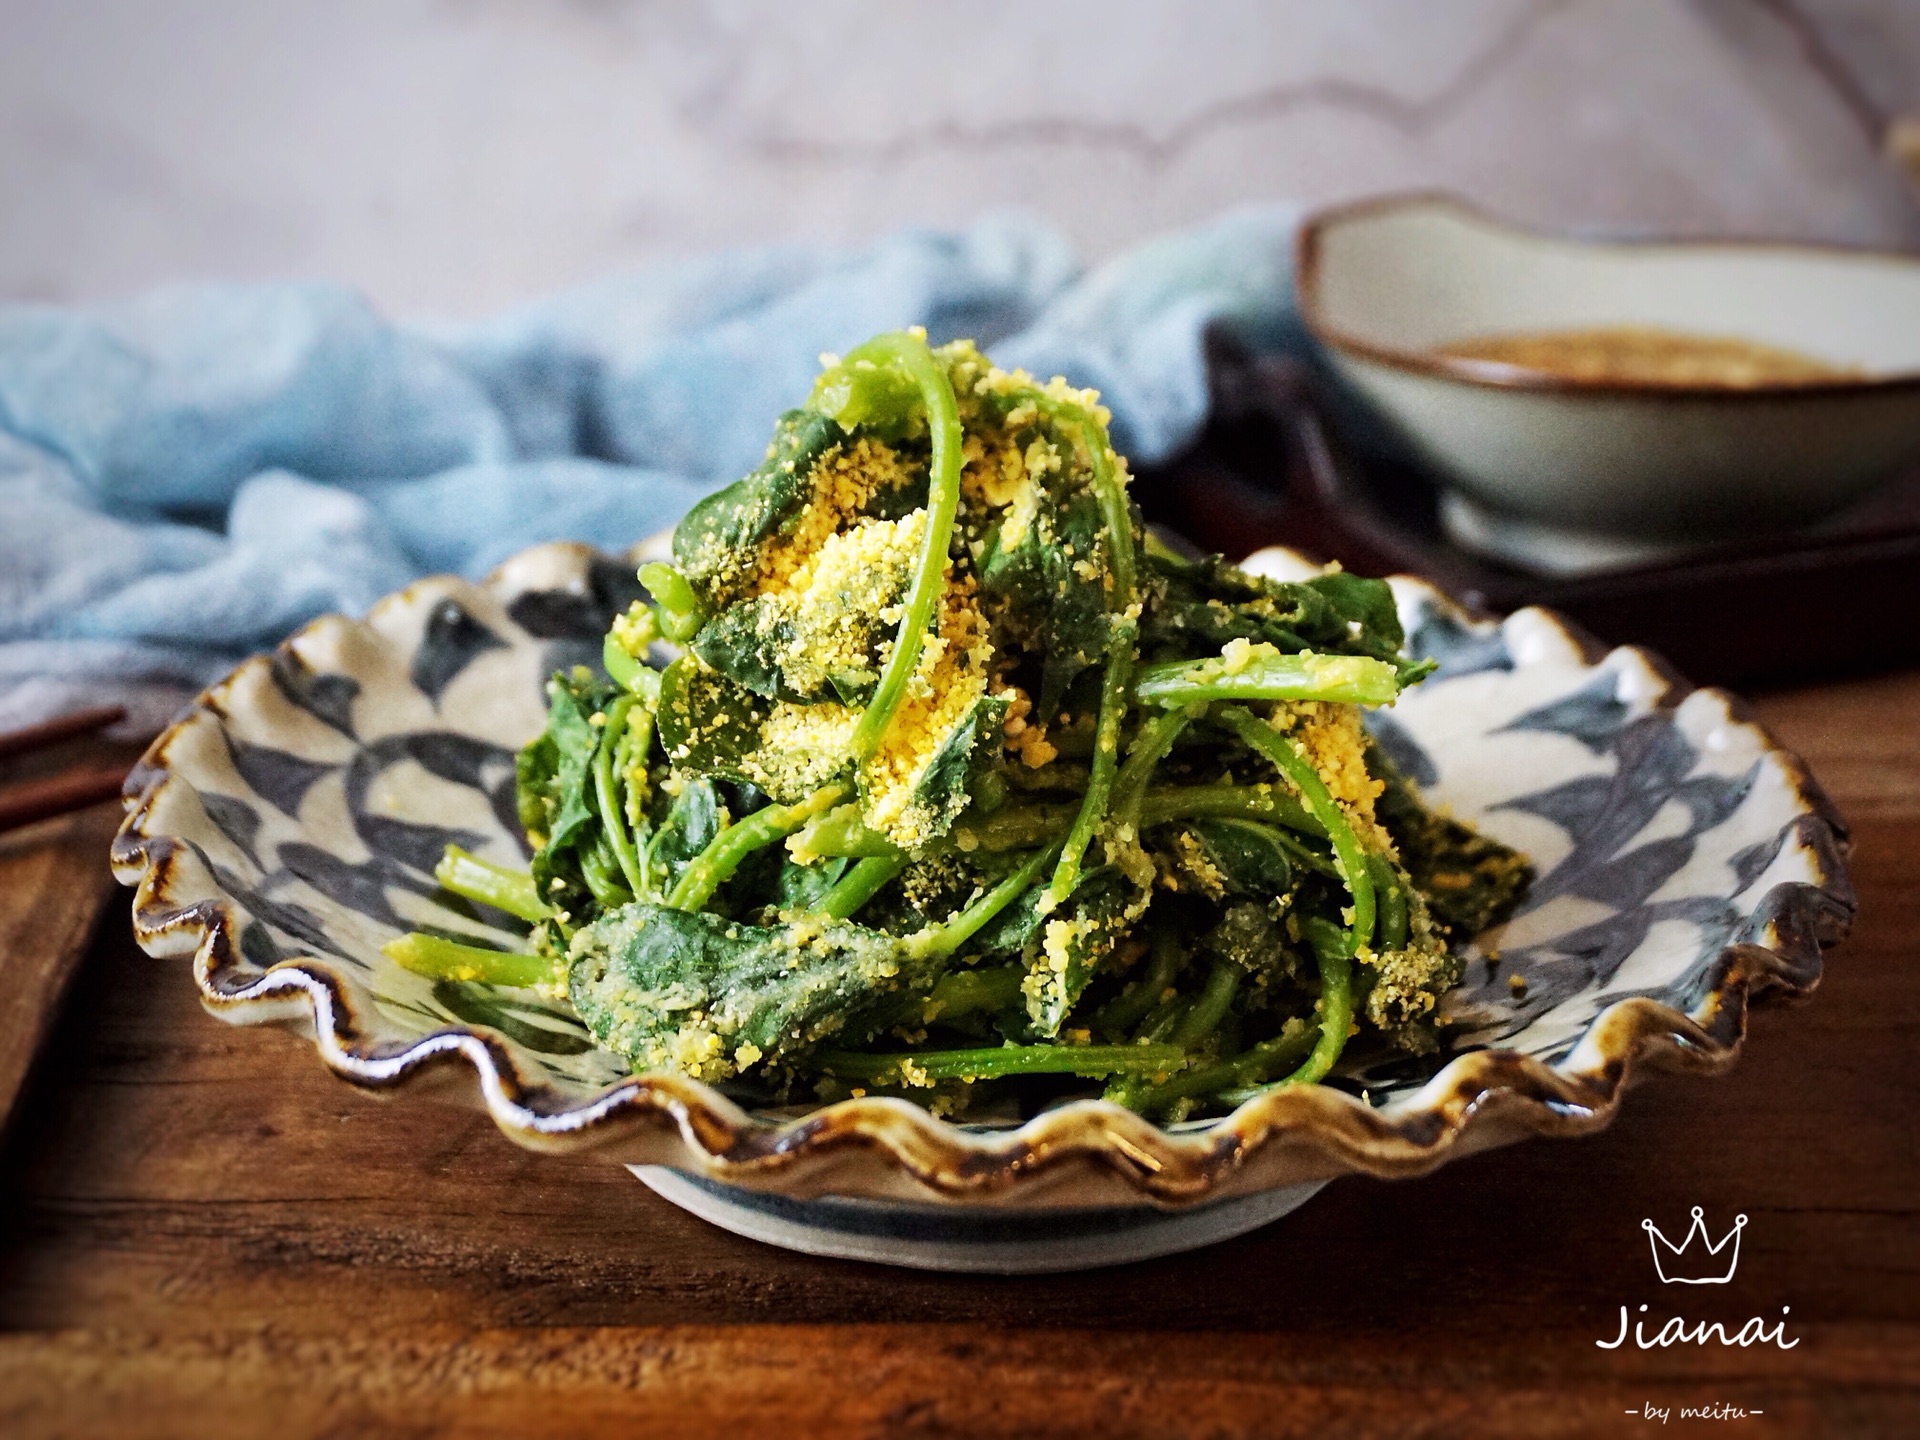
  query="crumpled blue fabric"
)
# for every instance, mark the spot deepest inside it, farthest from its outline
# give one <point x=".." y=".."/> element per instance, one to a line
<point x="188" y="476"/>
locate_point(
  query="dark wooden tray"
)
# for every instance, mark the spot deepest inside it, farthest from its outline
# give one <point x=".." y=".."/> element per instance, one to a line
<point x="1272" y="470"/>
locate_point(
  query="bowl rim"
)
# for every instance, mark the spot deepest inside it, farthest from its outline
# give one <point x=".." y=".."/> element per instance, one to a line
<point x="1308" y="256"/>
<point x="880" y="1147"/>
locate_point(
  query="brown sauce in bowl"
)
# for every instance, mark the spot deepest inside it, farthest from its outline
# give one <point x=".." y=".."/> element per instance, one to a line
<point x="1647" y="355"/>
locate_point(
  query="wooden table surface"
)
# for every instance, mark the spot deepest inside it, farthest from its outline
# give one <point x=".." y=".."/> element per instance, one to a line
<point x="201" y="1232"/>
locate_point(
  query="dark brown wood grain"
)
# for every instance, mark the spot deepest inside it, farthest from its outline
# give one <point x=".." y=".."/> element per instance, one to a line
<point x="53" y="883"/>
<point x="203" y="1233"/>
<point x="75" y="723"/>
<point x="59" y="795"/>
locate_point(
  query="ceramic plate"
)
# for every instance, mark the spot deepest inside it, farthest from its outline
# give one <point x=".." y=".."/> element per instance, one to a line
<point x="289" y="823"/>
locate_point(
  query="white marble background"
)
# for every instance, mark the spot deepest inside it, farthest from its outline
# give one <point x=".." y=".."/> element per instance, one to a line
<point x="454" y="156"/>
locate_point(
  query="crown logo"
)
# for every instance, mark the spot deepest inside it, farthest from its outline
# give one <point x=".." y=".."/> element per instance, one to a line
<point x="1702" y="1267"/>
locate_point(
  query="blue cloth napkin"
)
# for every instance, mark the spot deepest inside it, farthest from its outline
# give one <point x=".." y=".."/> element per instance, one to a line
<point x="188" y="476"/>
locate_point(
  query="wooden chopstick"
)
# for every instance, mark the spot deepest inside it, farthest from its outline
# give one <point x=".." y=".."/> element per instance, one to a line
<point x="61" y="727"/>
<point x="43" y="799"/>
<point x="74" y="790"/>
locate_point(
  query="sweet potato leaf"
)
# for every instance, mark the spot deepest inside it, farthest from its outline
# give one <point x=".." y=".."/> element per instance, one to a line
<point x="1195" y="606"/>
<point x="1233" y="857"/>
<point x="945" y="785"/>
<point x="664" y="986"/>
<point x="746" y="642"/>
<point x="712" y="725"/>
<point x="692" y="820"/>
<point x="717" y="535"/>
<point x="554" y="785"/>
<point x="1073" y="941"/>
<point x="708" y="722"/>
<point x="1047" y="570"/>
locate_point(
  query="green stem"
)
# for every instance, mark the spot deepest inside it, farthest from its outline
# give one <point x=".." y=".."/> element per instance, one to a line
<point x="910" y="354"/>
<point x="1346" y="679"/>
<point x="991" y="1062"/>
<point x="969" y="990"/>
<point x="1228" y="802"/>
<point x="441" y="959"/>
<point x="1164" y="1018"/>
<point x="1312" y="1051"/>
<point x="1163" y="1022"/>
<point x="709" y="870"/>
<point x="1123" y="630"/>
<point x="621" y="667"/>
<point x="1252" y="1066"/>
<point x="510" y="890"/>
<point x="1336" y="1001"/>
<point x="984" y="991"/>
<point x="842" y="831"/>
<point x="1106" y="748"/>
<point x="613" y="810"/>
<point x="1024" y="826"/>
<point x="1392" y="893"/>
<point x="1212" y="1006"/>
<point x="601" y="871"/>
<point x="1017" y="827"/>
<point x="674" y="600"/>
<point x="1131" y="1005"/>
<point x="1020" y="827"/>
<point x="637" y="742"/>
<point x="1150" y="746"/>
<point x="859" y="885"/>
<point x="943" y="940"/>
<point x="1351" y="859"/>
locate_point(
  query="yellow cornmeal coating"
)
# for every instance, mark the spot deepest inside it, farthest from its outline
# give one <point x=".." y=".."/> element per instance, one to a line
<point x="1200" y="869"/>
<point x="1006" y="477"/>
<point x="976" y="380"/>
<point x="953" y="672"/>
<point x="1406" y="981"/>
<point x="1333" y="740"/>
<point x="990" y="478"/>
<point x="843" y="481"/>
<point x="696" y="1047"/>
<point x="998" y="473"/>
<point x="936" y="878"/>
<point x="700" y="1044"/>
<point x="1023" y="738"/>
<point x="828" y="600"/>
<point x="803" y="746"/>
<point x="833" y="568"/>
<point x="635" y="630"/>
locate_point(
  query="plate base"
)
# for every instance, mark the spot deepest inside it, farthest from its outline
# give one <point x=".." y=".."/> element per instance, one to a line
<point x="1550" y="549"/>
<point x="977" y="1239"/>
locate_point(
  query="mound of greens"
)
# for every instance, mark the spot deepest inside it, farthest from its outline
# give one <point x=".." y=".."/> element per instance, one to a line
<point x="927" y="771"/>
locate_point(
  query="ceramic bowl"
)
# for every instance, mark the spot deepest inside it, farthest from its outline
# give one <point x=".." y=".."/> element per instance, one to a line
<point x="1569" y="473"/>
<point x="288" y="824"/>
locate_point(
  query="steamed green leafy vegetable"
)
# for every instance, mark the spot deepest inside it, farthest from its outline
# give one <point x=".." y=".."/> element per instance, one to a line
<point x="959" y="787"/>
